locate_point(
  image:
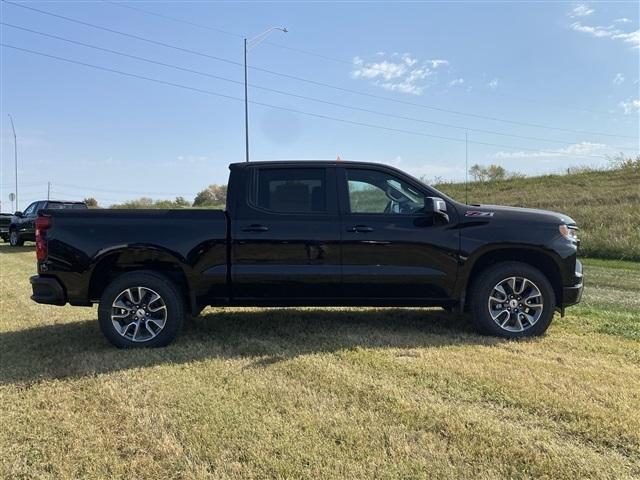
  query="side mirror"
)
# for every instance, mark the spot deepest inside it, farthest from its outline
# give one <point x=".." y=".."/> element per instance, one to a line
<point x="436" y="207"/>
<point x="18" y="214"/>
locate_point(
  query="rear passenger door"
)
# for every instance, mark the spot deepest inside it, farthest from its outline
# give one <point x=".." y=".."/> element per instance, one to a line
<point x="286" y="235"/>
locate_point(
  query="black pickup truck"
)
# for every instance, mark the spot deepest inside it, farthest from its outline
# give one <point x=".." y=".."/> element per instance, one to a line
<point x="22" y="226"/>
<point x="310" y="233"/>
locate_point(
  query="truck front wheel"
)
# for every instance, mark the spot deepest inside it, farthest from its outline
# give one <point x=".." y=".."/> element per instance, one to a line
<point x="141" y="309"/>
<point x="512" y="300"/>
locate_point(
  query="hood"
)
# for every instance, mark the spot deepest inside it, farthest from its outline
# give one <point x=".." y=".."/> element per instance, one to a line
<point x="514" y="214"/>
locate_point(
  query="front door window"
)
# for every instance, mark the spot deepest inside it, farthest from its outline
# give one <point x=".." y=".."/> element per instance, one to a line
<point x="372" y="191"/>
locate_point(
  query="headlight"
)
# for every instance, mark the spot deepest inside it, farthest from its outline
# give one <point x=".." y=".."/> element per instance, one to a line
<point x="569" y="232"/>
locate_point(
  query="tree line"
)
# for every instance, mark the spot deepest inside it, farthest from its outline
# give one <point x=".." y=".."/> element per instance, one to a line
<point x="215" y="196"/>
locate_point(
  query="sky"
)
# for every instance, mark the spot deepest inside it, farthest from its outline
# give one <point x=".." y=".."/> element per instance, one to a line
<point x="537" y="87"/>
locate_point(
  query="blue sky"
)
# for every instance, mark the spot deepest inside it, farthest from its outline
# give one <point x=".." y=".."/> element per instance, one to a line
<point x="572" y="67"/>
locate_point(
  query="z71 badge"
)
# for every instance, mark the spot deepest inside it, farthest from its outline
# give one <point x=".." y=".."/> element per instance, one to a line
<point x="476" y="213"/>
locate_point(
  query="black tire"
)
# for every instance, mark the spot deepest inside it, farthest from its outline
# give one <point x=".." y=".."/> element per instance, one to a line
<point x="5" y="238"/>
<point x="483" y="287"/>
<point x="14" y="239"/>
<point x="174" y="311"/>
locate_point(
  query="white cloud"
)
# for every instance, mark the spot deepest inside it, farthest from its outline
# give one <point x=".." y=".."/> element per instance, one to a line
<point x="493" y="84"/>
<point x="622" y="20"/>
<point x="456" y="82"/>
<point x="192" y="158"/>
<point x="618" y="79"/>
<point x="598" y="32"/>
<point x="610" y="31"/>
<point x="398" y="72"/>
<point x="632" y="37"/>
<point x="630" y="106"/>
<point x="395" y="162"/>
<point x="582" y="149"/>
<point x="438" y="63"/>
<point x="581" y="10"/>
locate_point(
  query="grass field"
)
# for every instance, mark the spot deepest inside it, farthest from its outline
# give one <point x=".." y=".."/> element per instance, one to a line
<point x="322" y="393"/>
<point x="605" y="204"/>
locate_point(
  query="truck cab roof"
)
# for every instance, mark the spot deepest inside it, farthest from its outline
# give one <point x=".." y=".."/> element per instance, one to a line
<point x="305" y="163"/>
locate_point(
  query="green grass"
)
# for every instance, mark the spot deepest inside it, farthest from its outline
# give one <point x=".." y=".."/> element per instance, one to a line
<point x="605" y="204"/>
<point x="322" y="393"/>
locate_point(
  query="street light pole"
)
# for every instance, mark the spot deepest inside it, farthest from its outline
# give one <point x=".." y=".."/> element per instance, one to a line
<point x="15" y="154"/>
<point x="246" y="106"/>
<point x="247" y="46"/>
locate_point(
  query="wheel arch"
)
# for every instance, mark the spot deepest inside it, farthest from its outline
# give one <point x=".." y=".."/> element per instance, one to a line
<point x="537" y="258"/>
<point x="112" y="264"/>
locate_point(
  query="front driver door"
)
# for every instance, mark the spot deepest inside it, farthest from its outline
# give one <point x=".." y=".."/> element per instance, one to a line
<point x="391" y="249"/>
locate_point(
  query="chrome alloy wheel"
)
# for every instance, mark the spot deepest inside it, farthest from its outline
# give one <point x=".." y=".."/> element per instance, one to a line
<point x="515" y="304"/>
<point x="138" y="314"/>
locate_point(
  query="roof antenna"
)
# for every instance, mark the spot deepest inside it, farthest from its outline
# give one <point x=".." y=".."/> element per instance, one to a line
<point x="466" y="168"/>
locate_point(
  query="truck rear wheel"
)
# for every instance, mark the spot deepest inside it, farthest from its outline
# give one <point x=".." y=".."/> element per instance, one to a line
<point x="512" y="300"/>
<point x="141" y="310"/>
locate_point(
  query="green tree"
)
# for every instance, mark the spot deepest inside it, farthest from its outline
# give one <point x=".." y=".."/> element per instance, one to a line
<point x="212" y="196"/>
<point x="182" y="202"/>
<point x="496" y="172"/>
<point x="478" y="173"/>
<point x="146" y="202"/>
<point x="491" y="173"/>
<point x="91" y="202"/>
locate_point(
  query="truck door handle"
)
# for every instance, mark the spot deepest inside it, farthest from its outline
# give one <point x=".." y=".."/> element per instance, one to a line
<point x="360" y="229"/>
<point x="255" y="228"/>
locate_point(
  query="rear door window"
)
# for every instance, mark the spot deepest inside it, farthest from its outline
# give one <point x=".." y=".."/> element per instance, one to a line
<point x="63" y="205"/>
<point x="290" y="190"/>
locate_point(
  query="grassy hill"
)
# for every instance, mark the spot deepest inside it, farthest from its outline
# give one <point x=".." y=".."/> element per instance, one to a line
<point x="606" y="205"/>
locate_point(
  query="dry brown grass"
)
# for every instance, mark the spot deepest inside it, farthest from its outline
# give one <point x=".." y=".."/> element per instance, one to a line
<point x="322" y="393"/>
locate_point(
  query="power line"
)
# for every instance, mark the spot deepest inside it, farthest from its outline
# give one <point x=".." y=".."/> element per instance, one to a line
<point x="77" y="197"/>
<point x="301" y="112"/>
<point x="328" y="57"/>
<point x="281" y="92"/>
<point x="85" y="188"/>
<point x="314" y="82"/>
<point x="22" y="184"/>
<point x="130" y="35"/>
<point x="179" y="20"/>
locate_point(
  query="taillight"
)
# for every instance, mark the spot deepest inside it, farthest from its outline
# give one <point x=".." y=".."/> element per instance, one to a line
<point x="42" y="224"/>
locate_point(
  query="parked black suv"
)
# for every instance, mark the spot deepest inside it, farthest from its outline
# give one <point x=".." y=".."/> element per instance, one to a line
<point x="23" y="224"/>
<point x="310" y="233"/>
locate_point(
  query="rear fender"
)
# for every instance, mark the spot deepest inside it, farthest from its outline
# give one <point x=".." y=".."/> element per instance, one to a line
<point x="115" y="261"/>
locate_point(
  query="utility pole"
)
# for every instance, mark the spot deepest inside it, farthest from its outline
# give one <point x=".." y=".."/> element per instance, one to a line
<point x="248" y="44"/>
<point x="466" y="168"/>
<point x="48" y="190"/>
<point x="15" y="154"/>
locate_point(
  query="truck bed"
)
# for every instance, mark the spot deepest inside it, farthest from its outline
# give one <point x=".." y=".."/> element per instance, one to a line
<point x="82" y="240"/>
